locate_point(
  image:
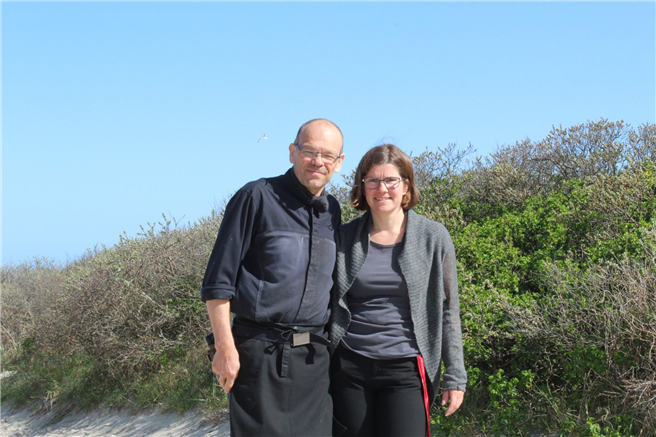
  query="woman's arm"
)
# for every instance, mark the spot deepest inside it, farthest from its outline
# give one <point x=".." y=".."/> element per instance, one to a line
<point x="455" y="375"/>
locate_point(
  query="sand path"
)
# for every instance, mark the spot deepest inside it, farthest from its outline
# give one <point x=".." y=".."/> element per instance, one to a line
<point x="108" y="423"/>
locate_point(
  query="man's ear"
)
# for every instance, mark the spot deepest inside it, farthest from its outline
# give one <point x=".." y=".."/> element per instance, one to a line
<point x="338" y="164"/>
<point x="292" y="149"/>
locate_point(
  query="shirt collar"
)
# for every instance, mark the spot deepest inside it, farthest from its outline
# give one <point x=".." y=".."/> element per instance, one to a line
<point x="319" y="203"/>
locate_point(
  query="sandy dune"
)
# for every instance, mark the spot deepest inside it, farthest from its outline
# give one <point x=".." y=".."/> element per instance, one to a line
<point x="107" y="423"/>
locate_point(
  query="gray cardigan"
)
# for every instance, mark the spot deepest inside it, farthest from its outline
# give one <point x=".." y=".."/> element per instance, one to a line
<point x="428" y="264"/>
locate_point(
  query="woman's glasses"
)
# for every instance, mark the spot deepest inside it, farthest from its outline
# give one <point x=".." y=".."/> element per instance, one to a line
<point x="390" y="183"/>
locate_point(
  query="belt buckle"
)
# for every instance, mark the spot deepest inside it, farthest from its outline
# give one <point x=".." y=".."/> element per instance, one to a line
<point x="300" y="338"/>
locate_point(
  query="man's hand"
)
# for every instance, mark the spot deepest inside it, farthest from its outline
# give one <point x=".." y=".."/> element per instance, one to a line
<point x="226" y="359"/>
<point x="226" y="365"/>
<point x="454" y="398"/>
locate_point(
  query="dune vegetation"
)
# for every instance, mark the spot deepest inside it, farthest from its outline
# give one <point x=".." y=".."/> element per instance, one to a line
<point x="556" y="245"/>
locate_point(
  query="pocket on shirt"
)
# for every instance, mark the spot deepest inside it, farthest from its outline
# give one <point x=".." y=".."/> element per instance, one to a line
<point x="282" y="258"/>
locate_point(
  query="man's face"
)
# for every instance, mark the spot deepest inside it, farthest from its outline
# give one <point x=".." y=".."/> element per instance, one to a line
<point x="315" y="173"/>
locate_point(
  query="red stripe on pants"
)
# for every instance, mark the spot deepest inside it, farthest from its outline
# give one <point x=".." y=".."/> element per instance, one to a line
<point x="422" y="374"/>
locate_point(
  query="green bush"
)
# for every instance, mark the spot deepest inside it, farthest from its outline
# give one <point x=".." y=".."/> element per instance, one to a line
<point x="129" y="314"/>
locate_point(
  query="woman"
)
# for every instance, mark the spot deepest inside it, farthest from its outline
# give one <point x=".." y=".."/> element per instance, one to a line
<point x="395" y="311"/>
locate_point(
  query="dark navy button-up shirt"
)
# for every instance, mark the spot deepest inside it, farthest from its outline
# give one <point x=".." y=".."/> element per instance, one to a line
<point x="274" y="254"/>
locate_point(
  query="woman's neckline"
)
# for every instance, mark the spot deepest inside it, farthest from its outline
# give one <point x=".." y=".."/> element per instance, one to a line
<point x="385" y="246"/>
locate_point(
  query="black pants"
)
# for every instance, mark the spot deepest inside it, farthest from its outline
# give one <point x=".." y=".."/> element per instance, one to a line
<point x="280" y="395"/>
<point x="377" y="397"/>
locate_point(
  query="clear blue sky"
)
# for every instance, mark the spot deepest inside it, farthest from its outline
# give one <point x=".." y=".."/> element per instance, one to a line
<point x="114" y="113"/>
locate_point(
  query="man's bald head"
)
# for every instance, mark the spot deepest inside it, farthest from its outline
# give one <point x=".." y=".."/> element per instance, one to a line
<point x="313" y="153"/>
<point x="319" y="122"/>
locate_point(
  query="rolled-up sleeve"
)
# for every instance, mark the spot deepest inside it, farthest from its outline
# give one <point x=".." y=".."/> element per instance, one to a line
<point x="455" y="375"/>
<point x="232" y="243"/>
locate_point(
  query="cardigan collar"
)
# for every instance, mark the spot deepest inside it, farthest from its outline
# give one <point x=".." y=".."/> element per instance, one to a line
<point x="364" y="227"/>
<point x="362" y="238"/>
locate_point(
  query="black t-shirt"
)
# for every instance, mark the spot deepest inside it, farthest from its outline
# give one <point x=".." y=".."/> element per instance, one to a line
<point x="381" y="326"/>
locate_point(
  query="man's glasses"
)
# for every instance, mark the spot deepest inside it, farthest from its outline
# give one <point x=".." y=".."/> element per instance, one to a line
<point x="311" y="154"/>
<point x="390" y="183"/>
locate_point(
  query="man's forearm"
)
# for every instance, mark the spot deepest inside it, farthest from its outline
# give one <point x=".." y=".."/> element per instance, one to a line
<point x="219" y="312"/>
<point x="226" y="359"/>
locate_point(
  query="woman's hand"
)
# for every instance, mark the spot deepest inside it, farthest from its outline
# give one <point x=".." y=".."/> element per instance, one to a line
<point x="454" y="398"/>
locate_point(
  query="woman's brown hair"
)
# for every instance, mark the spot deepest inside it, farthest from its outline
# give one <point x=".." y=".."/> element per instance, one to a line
<point x="379" y="155"/>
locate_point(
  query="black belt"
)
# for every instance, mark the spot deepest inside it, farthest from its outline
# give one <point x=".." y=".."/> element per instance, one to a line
<point x="288" y="335"/>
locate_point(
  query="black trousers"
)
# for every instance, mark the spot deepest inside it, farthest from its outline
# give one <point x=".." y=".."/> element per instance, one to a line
<point x="377" y="397"/>
<point x="280" y="390"/>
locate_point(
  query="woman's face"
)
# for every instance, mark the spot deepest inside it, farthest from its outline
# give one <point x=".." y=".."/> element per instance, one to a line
<point x="385" y="200"/>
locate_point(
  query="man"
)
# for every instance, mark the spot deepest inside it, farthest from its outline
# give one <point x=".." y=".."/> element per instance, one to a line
<point x="272" y="267"/>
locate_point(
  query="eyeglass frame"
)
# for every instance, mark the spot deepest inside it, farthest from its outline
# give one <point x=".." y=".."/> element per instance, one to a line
<point x="364" y="182"/>
<point x="325" y="159"/>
